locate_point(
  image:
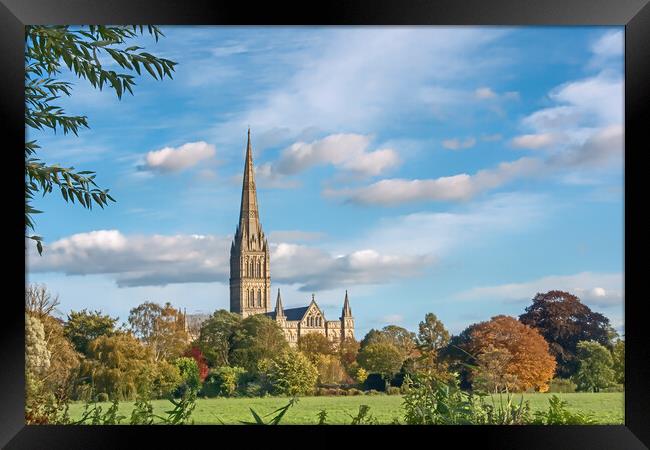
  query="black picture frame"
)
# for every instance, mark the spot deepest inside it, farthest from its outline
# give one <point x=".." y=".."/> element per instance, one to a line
<point x="633" y="14"/>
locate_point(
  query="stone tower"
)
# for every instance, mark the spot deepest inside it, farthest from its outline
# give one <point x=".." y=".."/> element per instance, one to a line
<point x="347" y="321"/>
<point x="250" y="274"/>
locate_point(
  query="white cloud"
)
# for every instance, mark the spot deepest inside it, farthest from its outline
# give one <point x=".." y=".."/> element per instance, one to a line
<point x="534" y="141"/>
<point x="314" y="269"/>
<point x="457" y="144"/>
<point x="603" y="148"/>
<point x="459" y="187"/>
<point x="607" y="47"/>
<point x="344" y="151"/>
<point x="158" y="260"/>
<point x="138" y="260"/>
<point x="594" y="289"/>
<point x="170" y="159"/>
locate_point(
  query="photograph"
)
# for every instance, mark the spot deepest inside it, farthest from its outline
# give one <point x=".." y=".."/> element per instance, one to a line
<point x="324" y="225"/>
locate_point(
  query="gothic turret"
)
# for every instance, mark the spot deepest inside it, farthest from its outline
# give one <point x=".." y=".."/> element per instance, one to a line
<point x="347" y="321"/>
<point x="250" y="275"/>
<point x="279" y="311"/>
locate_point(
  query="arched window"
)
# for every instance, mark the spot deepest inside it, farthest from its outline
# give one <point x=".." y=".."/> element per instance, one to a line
<point x="259" y="297"/>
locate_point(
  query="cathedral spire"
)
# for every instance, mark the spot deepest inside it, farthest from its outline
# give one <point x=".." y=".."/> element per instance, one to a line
<point x="249" y="220"/>
<point x="347" y="312"/>
<point x="279" y="311"/>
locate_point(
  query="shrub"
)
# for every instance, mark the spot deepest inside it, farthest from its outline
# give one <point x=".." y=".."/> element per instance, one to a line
<point x="291" y="373"/>
<point x="224" y="381"/>
<point x="360" y="375"/>
<point x="393" y="390"/>
<point x="614" y="388"/>
<point x="354" y="391"/>
<point x="253" y="389"/>
<point x="101" y="397"/>
<point x="373" y="392"/>
<point x="561" y="385"/>
<point x="190" y="377"/>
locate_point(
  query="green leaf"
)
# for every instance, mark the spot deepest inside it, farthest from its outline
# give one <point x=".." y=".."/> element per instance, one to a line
<point x="258" y="419"/>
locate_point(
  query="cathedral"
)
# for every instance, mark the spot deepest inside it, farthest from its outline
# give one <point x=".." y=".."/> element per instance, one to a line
<point x="250" y="276"/>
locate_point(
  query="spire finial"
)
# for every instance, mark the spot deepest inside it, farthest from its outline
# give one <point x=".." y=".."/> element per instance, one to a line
<point x="279" y="310"/>
<point x="347" y="311"/>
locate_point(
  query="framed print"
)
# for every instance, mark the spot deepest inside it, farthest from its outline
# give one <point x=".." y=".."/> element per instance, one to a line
<point x="417" y="217"/>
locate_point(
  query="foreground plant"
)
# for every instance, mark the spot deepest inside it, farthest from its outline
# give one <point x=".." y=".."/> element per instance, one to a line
<point x="557" y="414"/>
<point x="275" y="420"/>
<point x="49" y="49"/>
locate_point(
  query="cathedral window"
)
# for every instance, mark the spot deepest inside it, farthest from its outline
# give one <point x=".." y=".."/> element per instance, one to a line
<point x="259" y="297"/>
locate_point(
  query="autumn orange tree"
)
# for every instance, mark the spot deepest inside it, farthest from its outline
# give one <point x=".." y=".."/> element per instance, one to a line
<point x="513" y="355"/>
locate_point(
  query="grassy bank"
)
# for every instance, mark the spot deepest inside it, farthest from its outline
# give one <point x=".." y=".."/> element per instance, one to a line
<point x="606" y="407"/>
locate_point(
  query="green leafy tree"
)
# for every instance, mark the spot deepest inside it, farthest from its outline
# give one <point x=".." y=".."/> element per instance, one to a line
<point x="563" y="320"/>
<point x="315" y="344"/>
<point x="258" y="337"/>
<point x="381" y="357"/>
<point x="432" y="338"/>
<point x="51" y="49"/>
<point x="432" y="334"/>
<point x="403" y="340"/>
<point x="83" y="327"/>
<point x="291" y="373"/>
<point x="595" y="366"/>
<point x="618" y="357"/>
<point x="161" y="328"/>
<point x="216" y="335"/>
<point x="119" y="365"/>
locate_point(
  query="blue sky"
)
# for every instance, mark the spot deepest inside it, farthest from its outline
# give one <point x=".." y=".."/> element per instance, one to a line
<point x="454" y="170"/>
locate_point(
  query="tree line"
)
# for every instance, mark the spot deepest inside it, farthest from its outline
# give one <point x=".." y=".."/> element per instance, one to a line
<point x="557" y="343"/>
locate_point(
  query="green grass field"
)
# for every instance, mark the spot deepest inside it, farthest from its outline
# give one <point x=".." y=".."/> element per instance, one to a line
<point x="606" y="407"/>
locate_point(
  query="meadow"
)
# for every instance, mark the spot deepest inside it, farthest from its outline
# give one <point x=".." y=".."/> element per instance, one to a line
<point x="607" y="408"/>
